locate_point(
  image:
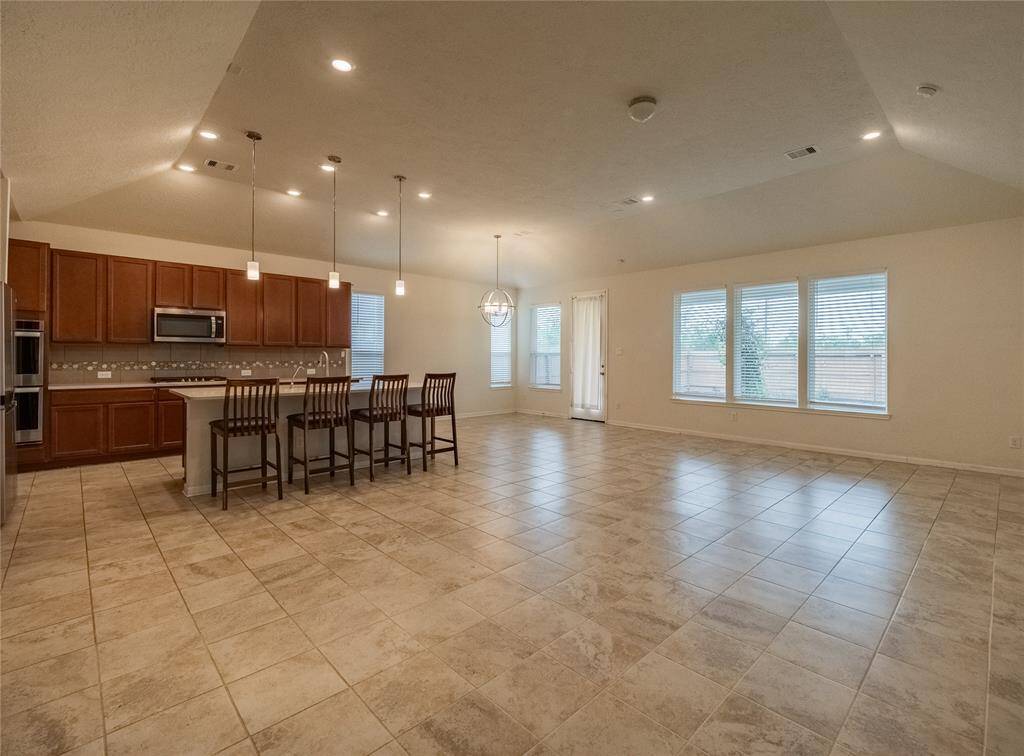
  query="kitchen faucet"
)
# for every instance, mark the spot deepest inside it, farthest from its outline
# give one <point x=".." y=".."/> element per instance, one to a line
<point x="325" y="360"/>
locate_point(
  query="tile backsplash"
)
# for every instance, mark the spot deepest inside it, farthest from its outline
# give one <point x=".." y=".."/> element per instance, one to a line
<point x="130" y="364"/>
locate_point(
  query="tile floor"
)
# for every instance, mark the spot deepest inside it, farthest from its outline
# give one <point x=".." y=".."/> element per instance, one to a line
<point x="571" y="588"/>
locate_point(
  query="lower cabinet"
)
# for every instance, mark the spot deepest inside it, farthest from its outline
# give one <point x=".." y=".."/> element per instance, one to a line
<point x="97" y="425"/>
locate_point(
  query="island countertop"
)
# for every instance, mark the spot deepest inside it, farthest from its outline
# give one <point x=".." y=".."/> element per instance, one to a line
<point x="287" y="389"/>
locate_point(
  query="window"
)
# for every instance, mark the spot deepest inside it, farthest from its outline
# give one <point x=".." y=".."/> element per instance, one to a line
<point x="699" y="344"/>
<point x="546" y="346"/>
<point x="367" y="335"/>
<point x="766" y="340"/>
<point x="501" y="354"/>
<point x="846" y="344"/>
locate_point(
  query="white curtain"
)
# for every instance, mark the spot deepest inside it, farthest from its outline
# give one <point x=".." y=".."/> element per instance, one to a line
<point x="586" y="353"/>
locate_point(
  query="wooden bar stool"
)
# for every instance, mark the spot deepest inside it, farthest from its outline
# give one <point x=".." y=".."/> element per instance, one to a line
<point x="388" y="404"/>
<point x="437" y="400"/>
<point x="324" y="407"/>
<point x="250" y="409"/>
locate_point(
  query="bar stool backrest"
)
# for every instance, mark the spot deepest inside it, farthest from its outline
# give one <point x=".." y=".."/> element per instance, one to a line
<point x="251" y="405"/>
<point x="389" y="397"/>
<point x="438" y="394"/>
<point x="326" y="400"/>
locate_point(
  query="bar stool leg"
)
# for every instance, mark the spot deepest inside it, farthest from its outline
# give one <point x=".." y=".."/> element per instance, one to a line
<point x="213" y="464"/>
<point x="330" y="432"/>
<point x="455" y="442"/>
<point x="423" y="439"/>
<point x="351" y="433"/>
<point x="369" y="449"/>
<point x="387" y="444"/>
<point x="224" y="471"/>
<point x="305" y="460"/>
<point x="433" y="439"/>
<point x="291" y="452"/>
<point x="280" y="487"/>
<point x="263" y="461"/>
<point x="405" y="446"/>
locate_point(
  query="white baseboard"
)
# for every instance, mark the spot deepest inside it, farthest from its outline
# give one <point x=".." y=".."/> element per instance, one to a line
<point x="483" y="413"/>
<point x="541" y="413"/>
<point x="827" y="449"/>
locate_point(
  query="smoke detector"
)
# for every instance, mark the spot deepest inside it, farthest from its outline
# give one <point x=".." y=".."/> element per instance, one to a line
<point x="927" y="91"/>
<point x="802" y="152"/>
<point x="641" y="109"/>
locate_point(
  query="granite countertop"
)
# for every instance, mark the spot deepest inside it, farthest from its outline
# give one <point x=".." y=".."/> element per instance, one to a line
<point x="172" y="384"/>
<point x="298" y="389"/>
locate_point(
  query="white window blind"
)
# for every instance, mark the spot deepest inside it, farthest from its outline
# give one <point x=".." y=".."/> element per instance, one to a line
<point x="546" y="346"/>
<point x="367" y="335"/>
<point x="501" y="354"/>
<point x="766" y="338"/>
<point x="846" y="359"/>
<point x="698" y="364"/>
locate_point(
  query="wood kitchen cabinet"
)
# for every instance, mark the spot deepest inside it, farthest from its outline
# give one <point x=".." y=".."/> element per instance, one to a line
<point x="310" y="311"/>
<point x="78" y="288"/>
<point x="207" y="287"/>
<point x="173" y="285"/>
<point x="242" y="303"/>
<point x="278" y="310"/>
<point x="131" y="426"/>
<point x="339" y="317"/>
<point x="129" y="300"/>
<point x="170" y="421"/>
<point x="28" y="265"/>
<point x="77" y="431"/>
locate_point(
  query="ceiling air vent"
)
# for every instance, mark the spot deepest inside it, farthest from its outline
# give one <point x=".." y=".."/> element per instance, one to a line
<point x="802" y="152"/>
<point x="629" y="201"/>
<point x="220" y="164"/>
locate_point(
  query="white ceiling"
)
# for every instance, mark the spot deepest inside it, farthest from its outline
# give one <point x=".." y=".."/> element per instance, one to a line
<point x="513" y="115"/>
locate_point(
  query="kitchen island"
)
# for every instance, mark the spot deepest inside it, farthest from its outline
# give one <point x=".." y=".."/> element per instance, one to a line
<point x="206" y="403"/>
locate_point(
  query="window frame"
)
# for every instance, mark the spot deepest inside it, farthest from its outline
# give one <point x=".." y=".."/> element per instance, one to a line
<point x="511" y="323"/>
<point x="728" y="341"/>
<point x="384" y="332"/>
<point x="533" y="345"/>
<point x="803" y="405"/>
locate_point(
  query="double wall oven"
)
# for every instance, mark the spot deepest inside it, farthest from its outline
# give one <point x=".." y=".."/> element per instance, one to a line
<point x="29" y="369"/>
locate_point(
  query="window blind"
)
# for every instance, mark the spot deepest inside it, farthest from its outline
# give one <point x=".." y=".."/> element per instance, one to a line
<point x="698" y="364"/>
<point x="546" y="346"/>
<point x="501" y="354"/>
<point x="846" y="343"/>
<point x="766" y="325"/>
<point x="367" y="335"/>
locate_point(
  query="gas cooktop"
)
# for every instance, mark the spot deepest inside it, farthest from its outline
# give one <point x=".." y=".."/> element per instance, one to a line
<point x="187" y="378"/>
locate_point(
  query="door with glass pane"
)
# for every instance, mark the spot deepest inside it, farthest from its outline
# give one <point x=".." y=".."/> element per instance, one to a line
<point x="588" y="352"/>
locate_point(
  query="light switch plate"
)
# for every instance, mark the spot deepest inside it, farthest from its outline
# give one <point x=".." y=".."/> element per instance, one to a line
<point x="246" y="373"/>
<point x="103" y="374"/>
<point x="310" y="371"/>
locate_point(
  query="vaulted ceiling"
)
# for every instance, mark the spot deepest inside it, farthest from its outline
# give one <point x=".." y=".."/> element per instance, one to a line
<point x="513" y="116"/>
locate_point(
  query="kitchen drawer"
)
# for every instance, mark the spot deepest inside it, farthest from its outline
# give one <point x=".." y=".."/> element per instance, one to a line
<point x="100" y="396"/>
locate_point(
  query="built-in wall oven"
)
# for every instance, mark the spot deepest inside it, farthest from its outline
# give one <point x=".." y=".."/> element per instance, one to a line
<point x="181" y="324"/>
<point x="28" y="414"/>
<point x="29" y="368"/>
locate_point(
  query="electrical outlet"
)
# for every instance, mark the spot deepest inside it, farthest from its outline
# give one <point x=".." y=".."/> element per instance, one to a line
<point x="734" y="416"/>
<point x="310" y="371"/>
<point x="246" y="373"/>
<point x="1015" y="442"/>
<point x="103" y="374"/>
<point x="618" y="351"/>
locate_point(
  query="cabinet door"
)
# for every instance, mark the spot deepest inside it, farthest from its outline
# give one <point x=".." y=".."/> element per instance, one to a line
<point x="27" y="266"/>
<point x="207" y="288"/>
<point x="173" y="285"/>
<point x="131" y="427"/>
<point x="77" y="431"/>
<point x="79" y="286"/>
<point x="170" y="423"/>
<point x="129" y="300"/>
<point x="310" y="311"/>
<point x="243" y="309"/>
<point x="278" y="310"/>
<point x="339" y="316"/>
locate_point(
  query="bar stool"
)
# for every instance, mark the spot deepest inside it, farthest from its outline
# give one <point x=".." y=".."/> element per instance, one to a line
<point x="388" y="404"/>
<point x="250" y="409"/>
<point x="437" y="400"/>
<point x="324" y="407"/>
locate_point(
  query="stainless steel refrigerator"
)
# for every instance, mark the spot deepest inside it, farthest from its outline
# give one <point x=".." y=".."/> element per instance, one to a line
<point x="8" y="461"/>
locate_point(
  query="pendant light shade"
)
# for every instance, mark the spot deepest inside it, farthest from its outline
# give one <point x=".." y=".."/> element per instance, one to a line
<point x="333" y="279"/>
<point x="252" y="268"/>
<point x="496" y="306"/>
<point x="399" y="282"/>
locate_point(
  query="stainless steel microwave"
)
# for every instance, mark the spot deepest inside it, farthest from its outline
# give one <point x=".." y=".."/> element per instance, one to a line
<point x="181" y="324"/>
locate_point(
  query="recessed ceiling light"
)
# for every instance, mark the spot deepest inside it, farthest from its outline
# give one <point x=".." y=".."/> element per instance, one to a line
<point x="871" y="135"/>
<point x="208" y="134"/>
<point x="425" y="195"/>
<point x="186" y="167"/>
<point x="382" y="213"/>
<point x="342" y="65"/>
<point x="647" y="198"/>
<point x="294" y="193"/>
<point x="327" y="167"/>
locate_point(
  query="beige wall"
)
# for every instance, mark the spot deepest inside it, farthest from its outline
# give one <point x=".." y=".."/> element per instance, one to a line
<point x="435" y="327"/>
<point x="956" y="338"/>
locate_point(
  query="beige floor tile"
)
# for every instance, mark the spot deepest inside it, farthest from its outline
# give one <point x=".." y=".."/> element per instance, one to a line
<point x="221" y="590"/>
<point x="407" y="693"/>
<point x="34" y="591"/>
<point x="280" y="690"/>
<point x="133" y="589"/>
<point x="595" y="652"/>
<point x="712" y="654"/>
<point x="875" y="727"/>
<point x="340" y="725"/>
<point x="339" y="617"/>
<point x="705" y="574"/>
<point x="251" y="651"/>
<point x="857" y="596"/>
<point x="740" y="726"/>
<point x="369" y="650"/>
<point x="540" y="693"/>
<point x="55" y="727"/>
<point x="537" y="573"/>
<point x="483" y="651"/>
<point x="493" y="594"/>
<point x="139" y="615"/>
<point x="965" y="664"/>
<point x="204" y="724"/>
<point x="472" y="725"/>
<point x="766" y="595"/>
<point x="538" y="620"/>
<point x="741" y="621"/>
<point x="827" y="655"/>
<point x="841" y="621"/>
<point x="437" y="620"/>
<point x="19" y="651"/>
<point x="44" y="681"/>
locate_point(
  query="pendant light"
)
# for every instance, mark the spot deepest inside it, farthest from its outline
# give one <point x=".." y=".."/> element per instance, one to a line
<point x="333" y="279"/>
<point x="252" y="268"/>
<point x="399" y="282"/>
<point x="496" y="306"/>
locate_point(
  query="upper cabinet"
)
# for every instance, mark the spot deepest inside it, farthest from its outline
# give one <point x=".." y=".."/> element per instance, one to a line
<point x="278" y="310"/>
<point x="310" y="311"/>
<point x="173" y="286"/>
<point x="27" y="268"/>
<point x="78" y="297"/>
<point x="339" y="316"/>
<point x="207" y="288"/>
<point x="129" y="300"/>
<point x="242" y="302"/>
